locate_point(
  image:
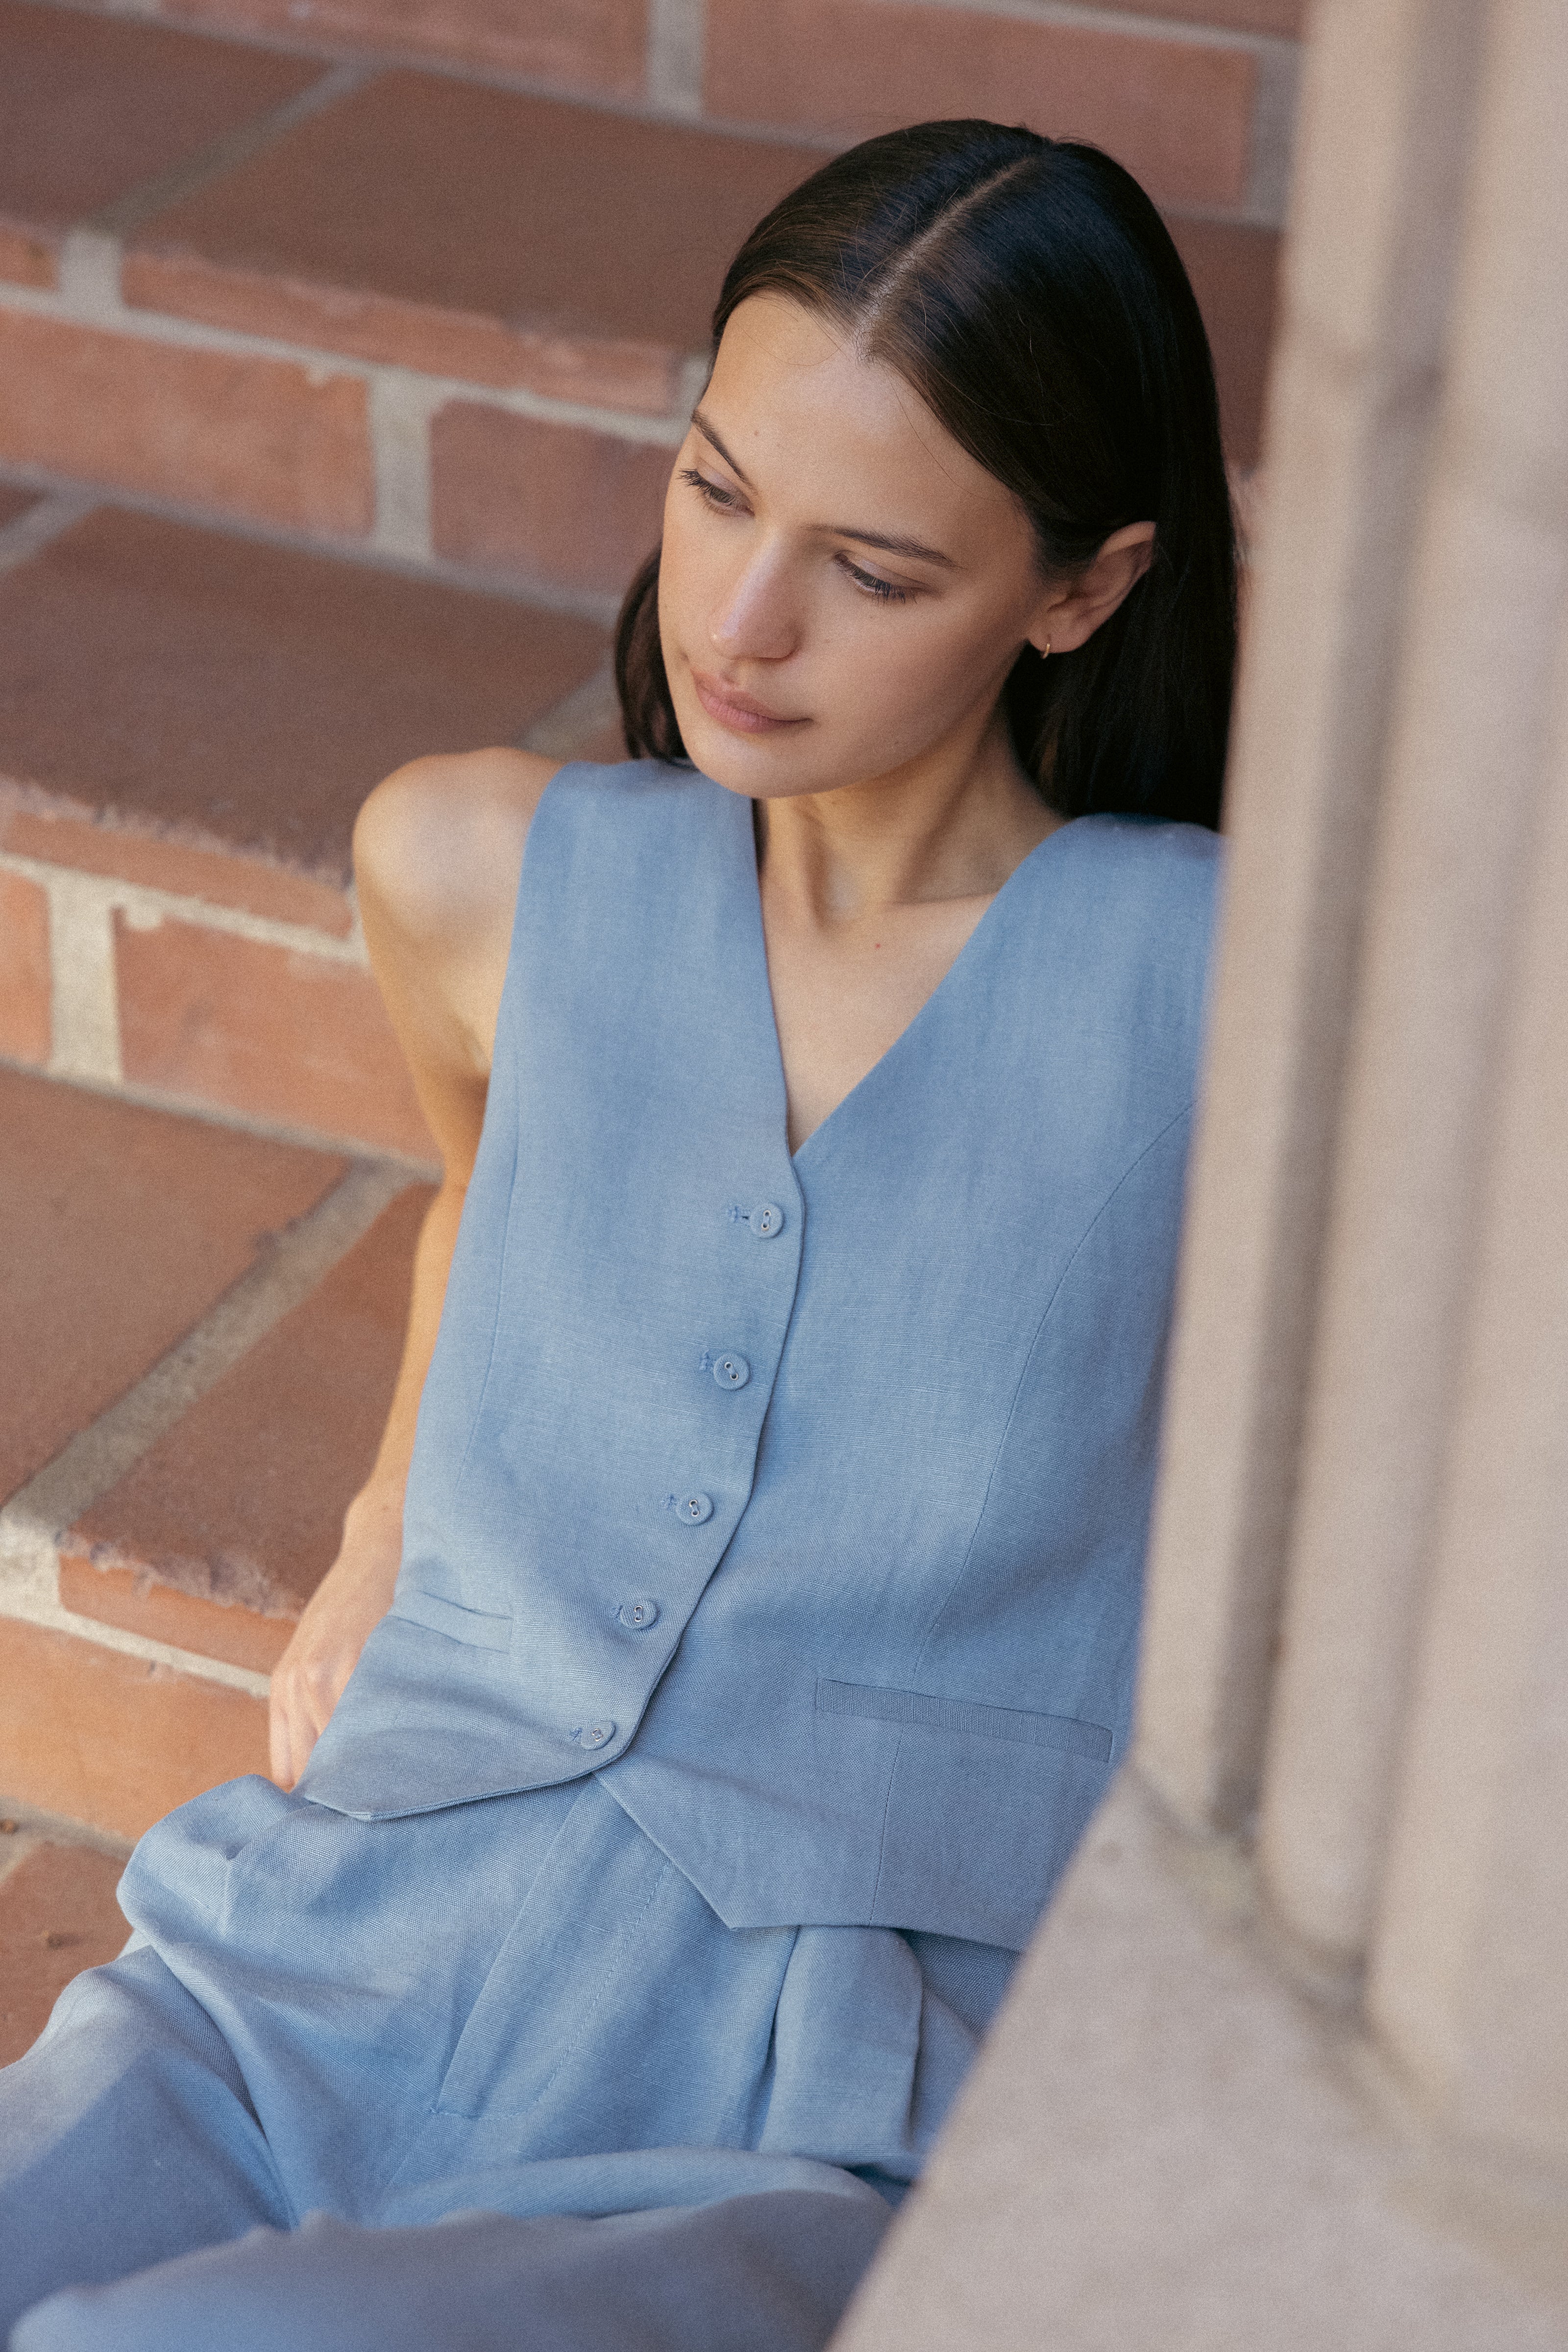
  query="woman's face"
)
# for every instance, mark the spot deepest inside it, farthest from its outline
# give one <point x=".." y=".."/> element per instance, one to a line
<point x="843" y="590"/>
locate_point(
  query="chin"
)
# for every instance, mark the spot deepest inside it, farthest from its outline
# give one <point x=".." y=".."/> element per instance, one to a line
<point x="756" y="767"/>
<point x="749" y="770"/>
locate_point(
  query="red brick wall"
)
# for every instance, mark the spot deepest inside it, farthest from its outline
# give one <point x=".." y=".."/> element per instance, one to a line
<point x="309" y="285"/>
<point x="810" y="65"/>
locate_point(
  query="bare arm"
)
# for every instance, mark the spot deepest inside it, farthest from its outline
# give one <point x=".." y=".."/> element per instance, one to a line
<point x="437" y="857"/>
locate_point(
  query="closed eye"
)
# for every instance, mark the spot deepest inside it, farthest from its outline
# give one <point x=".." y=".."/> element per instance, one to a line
<point x="715" y="495"/>
<point x="713" y="492"/>
<point x="882" y="589"/>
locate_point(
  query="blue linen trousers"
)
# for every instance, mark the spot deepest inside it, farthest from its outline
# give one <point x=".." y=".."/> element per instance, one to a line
<point x="763" y="1639"/>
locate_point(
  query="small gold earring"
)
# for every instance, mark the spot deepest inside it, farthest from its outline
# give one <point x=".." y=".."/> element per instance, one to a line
<point x="1045" y="650"/>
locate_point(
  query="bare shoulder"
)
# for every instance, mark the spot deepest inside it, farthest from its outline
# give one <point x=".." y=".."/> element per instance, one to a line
<point x="438" y="845"/>
<point x="437" y="857"/>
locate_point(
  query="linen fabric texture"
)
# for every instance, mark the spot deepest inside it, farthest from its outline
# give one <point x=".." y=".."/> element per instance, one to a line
<point x="763" y="1640"/>
<point x="934" y="1482"/>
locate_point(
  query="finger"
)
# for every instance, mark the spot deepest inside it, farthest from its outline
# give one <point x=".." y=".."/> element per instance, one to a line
<point x="307" y="1721"/>
<point x="323" y="1685"/>
<point x="297" y="1730"/>
<point x="278" y="1746"/>
<point x="341" y="1676"/>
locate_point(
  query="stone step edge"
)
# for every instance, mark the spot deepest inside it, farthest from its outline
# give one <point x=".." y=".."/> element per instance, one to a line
<point x="83" y="857"/>
<point x="88" y="994"/>
<point x="672" y="89"/>
<point x="142" y="1676"/>
<point x="112" y="1736"/>
<point x="104" y="1726"/>
<point x="110" y="1586"/>
<point x="97" y="1455"/>
<point x="187" y="1005"/>
<point x="385" y="430"/>
<point x="30" y="1585"/>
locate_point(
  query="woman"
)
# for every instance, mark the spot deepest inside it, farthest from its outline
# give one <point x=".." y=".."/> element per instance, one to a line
<point x="763" y="1631"/>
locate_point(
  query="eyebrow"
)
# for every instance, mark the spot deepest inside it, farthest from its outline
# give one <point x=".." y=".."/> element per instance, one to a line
<point x="890" y="542"/>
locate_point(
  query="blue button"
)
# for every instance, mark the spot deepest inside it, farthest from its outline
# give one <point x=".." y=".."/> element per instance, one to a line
<point x="731" y="1371"/>
<point x="766" y="1220"/>
<point x="694" y="1509"/>
<point x="636" y="1616"/>
<point x="593" y="1735"/>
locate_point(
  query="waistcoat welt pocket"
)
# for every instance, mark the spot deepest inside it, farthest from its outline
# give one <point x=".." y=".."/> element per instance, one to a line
<point x="1064" y="1733"/>
<point x="459" y="1625"/>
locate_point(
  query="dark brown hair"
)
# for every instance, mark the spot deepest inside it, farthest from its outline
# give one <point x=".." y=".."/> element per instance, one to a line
<point x="1029" y="292"/>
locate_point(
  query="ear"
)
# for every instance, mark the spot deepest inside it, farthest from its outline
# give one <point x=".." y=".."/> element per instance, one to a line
<point x="1073" y="610"/>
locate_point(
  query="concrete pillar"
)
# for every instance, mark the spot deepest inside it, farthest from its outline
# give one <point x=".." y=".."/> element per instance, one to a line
<point x="1469" y="1977"/>
<point x="1489" y="579"/>
<point x="1375" y="226"/>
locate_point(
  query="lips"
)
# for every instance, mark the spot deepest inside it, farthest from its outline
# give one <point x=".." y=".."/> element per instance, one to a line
<point x="743" y="714"/>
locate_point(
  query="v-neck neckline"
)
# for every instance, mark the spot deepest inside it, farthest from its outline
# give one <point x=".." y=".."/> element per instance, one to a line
<point x="966" y="955"/>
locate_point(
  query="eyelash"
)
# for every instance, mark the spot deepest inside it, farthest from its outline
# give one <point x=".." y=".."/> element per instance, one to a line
<point x="867" y="582"/>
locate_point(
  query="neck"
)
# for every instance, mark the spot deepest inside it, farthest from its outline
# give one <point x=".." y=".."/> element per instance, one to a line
<point x="942" y="828"/>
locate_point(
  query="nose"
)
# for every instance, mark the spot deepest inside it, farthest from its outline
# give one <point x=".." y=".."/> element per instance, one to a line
<point x="754" y="621"/>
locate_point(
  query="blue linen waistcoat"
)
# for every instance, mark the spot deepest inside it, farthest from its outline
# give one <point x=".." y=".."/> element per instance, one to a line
<point x="804" y="1501"/>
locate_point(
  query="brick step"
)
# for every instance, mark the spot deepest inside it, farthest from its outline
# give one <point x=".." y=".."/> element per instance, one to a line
<point x="462" y="323"/>
<point x="58" y="1917"/>
<point x="189" y="720"/>
<point x="202" y="1331"/>
<point x="820" y="61"/>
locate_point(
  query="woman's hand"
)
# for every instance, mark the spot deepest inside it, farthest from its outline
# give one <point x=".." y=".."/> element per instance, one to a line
<point x="351" y="1599"/>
